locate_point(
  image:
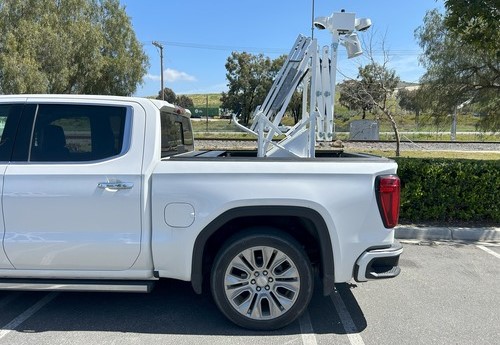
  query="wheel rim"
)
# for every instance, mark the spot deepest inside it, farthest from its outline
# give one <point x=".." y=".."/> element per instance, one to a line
<point x="262" y="283"/>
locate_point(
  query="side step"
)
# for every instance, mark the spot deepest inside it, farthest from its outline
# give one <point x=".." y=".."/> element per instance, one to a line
<point x="77" y="285"/>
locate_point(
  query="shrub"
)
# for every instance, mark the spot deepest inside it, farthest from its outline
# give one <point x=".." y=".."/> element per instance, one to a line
<point x="449" y="190"/>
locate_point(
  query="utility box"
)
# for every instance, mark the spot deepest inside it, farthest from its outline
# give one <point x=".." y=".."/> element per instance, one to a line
<point x="363" y="130"/>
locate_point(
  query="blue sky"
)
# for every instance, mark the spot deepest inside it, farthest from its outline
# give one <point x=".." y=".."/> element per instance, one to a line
<point x="198" y="36"/>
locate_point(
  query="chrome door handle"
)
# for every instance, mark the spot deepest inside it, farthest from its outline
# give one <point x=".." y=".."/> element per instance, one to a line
<point x="115" y="185"/>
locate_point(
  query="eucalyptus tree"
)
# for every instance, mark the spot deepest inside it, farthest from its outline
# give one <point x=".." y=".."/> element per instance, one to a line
<point x="462" y="68"/>
<point x="71" y="46"/>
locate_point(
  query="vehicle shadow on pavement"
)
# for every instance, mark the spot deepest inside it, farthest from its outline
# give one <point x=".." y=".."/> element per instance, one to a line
<point x="174" y="308"/>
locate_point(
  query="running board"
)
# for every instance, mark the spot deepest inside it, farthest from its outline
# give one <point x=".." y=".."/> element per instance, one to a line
<point x="77" y="285"/>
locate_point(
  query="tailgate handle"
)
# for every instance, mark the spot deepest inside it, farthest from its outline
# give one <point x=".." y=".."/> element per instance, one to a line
<point x="115" y="185"/>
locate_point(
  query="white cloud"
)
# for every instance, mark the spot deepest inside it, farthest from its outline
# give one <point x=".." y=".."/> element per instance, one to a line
<point x="152" y="77"/>
<point x="171" y="75"/>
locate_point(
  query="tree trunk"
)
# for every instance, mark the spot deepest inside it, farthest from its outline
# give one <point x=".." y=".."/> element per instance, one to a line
<point x="396" y="131"/>
<point x="394" y="126"/>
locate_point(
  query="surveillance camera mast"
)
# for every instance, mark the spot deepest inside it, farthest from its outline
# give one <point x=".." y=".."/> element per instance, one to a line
<point x="307" y="69"/>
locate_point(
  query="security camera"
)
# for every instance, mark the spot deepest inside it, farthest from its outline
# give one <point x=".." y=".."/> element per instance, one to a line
<point x="362" y="24"/>
<point x="320" y="23"/>
<point x="352" y="45"/>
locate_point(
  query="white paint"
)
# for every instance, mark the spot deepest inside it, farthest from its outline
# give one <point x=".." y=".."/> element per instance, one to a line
<point x="489" y="251"/>
<point x="347" y="322"/>
<point x="26" y="314"/>
<point x="306" y="330"/>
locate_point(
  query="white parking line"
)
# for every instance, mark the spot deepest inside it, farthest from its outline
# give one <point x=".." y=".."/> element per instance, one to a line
<point x="489" y="251"/>
<point x="26" y="314"/>
<point x="306" y="330"/>
<point x="347" y="322"/>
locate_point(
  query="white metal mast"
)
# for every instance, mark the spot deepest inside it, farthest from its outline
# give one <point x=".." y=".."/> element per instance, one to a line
<point x="315" y="73"/>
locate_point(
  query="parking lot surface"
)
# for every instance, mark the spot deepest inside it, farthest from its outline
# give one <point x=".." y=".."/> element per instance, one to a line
<point x="447" y="293"/>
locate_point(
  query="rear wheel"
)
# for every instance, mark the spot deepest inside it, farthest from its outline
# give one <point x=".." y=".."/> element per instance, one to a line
<point x="262" y="280"/>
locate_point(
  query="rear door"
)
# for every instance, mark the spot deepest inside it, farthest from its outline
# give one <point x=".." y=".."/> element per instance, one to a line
<point x="72" y="200"/>
<point x="10" y="113"/>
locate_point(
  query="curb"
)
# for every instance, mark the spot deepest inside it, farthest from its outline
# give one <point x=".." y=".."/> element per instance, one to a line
<point x="410" y="232"/>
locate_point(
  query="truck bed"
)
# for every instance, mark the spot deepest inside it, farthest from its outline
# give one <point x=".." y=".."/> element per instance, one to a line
<point x="253" y="154"/>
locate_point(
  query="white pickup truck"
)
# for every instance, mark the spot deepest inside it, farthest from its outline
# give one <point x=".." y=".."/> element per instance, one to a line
<point x="108" y="194"/>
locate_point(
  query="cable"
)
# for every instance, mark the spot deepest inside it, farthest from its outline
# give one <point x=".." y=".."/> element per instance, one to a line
<point x="399" y="52"/>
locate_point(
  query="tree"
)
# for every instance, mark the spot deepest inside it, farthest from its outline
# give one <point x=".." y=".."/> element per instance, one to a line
<point x="378" y="83"/>
<point x="375" y="85"/>
<point x="71" y="46"/>
<point x="475" y="21"/>
<point x="295" y="106"/>
<point x="353" y="96"/>
<point x="168" y="95"/>
<point x="459" y="69"/>
<point x="184" y="101"/>
<point x="249" y="79"/>
<point x="411" y="100"/>
<point x="181" y="100"/>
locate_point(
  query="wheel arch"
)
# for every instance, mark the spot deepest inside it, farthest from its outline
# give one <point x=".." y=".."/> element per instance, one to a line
<point x="317" y="235"/>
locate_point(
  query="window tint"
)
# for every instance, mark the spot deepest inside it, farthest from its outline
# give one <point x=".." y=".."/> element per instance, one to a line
<point x="77" y="133"/>
<point x="176" y="134"/>
<point x="9" y="119"/>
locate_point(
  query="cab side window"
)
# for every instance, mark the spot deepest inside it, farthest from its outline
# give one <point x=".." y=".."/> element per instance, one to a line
<point x="9" y="120"/>
<point x="76" y="133"/>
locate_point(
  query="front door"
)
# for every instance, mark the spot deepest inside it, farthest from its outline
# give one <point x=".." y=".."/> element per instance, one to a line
<point x="75" y="203"/>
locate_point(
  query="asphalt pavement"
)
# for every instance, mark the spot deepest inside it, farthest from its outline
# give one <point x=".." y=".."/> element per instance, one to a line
<point x="447" y="293"/>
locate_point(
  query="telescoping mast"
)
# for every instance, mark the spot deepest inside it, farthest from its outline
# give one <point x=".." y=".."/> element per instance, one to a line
<point x="313" y="72"/>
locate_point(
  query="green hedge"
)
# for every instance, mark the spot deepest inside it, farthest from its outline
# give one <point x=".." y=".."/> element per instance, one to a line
<point x="449" y="190"/>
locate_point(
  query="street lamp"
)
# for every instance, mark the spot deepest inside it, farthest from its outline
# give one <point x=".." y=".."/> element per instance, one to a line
<point x="160" y="46"/>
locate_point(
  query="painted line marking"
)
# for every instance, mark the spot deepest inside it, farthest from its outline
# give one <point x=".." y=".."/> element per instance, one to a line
<point x="306" y="330"/>
<point x="26" y="314"/>
<point x="489" y="251"/>
<point x="346" y="319"/>
<point x="9" y="298"/>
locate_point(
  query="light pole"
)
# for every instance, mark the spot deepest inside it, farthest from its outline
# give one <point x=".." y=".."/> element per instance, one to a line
<point x="312" y="20"/>
<point x="160" y="46"/>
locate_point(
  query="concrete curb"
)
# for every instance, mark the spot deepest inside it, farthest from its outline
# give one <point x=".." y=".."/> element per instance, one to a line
<point x="411" y="232"/>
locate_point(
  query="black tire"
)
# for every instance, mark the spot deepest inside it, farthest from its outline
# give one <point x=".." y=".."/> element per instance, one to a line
<point x="269" y="291"/>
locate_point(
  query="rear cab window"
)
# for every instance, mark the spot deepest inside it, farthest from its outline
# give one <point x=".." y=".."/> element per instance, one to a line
<point x="176" y="131"/>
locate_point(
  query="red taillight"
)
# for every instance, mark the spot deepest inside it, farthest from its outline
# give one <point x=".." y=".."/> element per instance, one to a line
<point x="388" y="190"/>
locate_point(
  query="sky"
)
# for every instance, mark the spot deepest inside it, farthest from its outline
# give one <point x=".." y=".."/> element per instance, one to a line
<point x="199" y="35"/>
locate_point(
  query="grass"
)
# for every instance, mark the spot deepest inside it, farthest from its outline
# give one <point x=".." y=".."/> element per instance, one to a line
<point x="201" y="125"/>
<point x="225" y="129"/>
<point x="407" y="122"/>
<point x="425" y="127"/>
<point x="437" y="154"/>
<point x="200" y="100"/>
